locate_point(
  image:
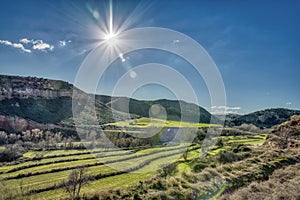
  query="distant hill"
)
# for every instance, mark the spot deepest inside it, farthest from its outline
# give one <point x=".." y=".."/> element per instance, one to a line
<point x="264" y="118"/>
<point x="48" y="103"/>
<point x="39" y="102"/>
<point x="173" y="108"/>
<point x="227" y="117"/>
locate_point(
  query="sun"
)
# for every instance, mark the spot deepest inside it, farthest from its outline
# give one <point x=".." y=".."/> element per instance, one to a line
<point x="111" y="40"/>
<point x="109" y="36"/>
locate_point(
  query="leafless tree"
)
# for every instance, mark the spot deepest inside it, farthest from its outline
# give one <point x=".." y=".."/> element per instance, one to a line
<point x="76" y="180"/>
<point x="3" y="138"/>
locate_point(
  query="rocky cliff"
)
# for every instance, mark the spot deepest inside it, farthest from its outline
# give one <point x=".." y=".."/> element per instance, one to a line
<point x="30" y="102"/>
<point x="26" y="87"/>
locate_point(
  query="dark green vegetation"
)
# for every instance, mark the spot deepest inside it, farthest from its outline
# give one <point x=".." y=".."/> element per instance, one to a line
<point x="45" y="111"/>
<point x="141" y="108"/>
<point x="34" y="102"/>
<point x="264" y="118"/>
<point x="42" y="101"/>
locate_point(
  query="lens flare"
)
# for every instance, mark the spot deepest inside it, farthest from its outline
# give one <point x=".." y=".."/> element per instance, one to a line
<point x="109" y="36"/>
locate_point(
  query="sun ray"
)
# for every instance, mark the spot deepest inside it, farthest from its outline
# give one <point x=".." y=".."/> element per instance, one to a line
<point x="110" y="18"/>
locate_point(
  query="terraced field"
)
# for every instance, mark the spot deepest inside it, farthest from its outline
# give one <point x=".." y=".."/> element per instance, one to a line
<point x="43" y="177"/>
<point x="228" y="141"/>
<point x="42" y="173"/>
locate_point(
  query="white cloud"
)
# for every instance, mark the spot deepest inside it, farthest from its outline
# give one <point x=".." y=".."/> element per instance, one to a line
<point x="37" y="45"/>
<point x="15" y="45"/>
<point x="222" y="110"/>
<point x="225" y="107"/>
<point x="5" y="42"/>
<point x="63" y="43"/>
<point x="25" y="41"/>
<point x="288" y="103"/>
<point x="36" y="41"/>
<point x="42" y="46"/>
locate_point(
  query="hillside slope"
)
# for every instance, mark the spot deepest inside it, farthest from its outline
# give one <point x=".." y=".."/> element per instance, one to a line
<point x="49" y="102"/>
<point x="264" y="118"/>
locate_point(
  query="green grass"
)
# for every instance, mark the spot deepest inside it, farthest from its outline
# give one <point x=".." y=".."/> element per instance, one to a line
<point x="153" y="149"/>
<point x="50" y="179"/>
<point x="121" y="131"/>
<point x="119" y="181"/>
<point x="56" y="159"/>
<point x="181" y="168"/>
<point x="147" y="123"/>
<point x="47" y="160"/>
<point x="33" y="154"/>
<point x="63" y="165"/>
<point x="217" y="150"/>
<point x="46" y="180"/>
<point x="248" y="140"/>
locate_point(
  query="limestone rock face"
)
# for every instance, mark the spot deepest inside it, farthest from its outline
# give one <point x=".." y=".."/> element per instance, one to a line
<point x="25" y="87"/>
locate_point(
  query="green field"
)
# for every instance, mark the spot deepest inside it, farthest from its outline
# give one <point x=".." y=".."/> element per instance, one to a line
<point x="42" y="173"/>
<point x="147" y="122"/>
<point x="41" y="176"/>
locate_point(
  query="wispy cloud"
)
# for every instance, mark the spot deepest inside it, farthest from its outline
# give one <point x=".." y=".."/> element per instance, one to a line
<point x="25" y="41"/>
<point x="222" y="110"/>
<point x="42" y="46"/>
<point x="15" y="45"/>
<point x="63" y="43"/>
<point x="288" y="103"/>
<point x="30" y="44"/>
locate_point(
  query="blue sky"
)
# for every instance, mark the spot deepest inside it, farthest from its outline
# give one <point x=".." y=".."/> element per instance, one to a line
<point x="255" y="44"/>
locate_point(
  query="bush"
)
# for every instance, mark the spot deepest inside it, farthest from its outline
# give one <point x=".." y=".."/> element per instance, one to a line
<point x="227" y="157"/>
<point x="282" y="184"/>
<point x="199" y="167"/>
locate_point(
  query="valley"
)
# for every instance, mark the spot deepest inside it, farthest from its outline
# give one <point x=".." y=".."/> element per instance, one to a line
<point x="42" y="147"/>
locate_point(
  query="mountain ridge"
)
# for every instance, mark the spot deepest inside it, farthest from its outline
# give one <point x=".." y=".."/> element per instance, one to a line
<point x="45" y="101"/>
<point x="263" y="118"/>
<point x="40" y="102"/>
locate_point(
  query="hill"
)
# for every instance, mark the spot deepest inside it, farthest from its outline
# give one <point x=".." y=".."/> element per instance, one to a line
<point x="38" y="102"/>
<point x="286" y="134"/>
<point x="264" y="118"/>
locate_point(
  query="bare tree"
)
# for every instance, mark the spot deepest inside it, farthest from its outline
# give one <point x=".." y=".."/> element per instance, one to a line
<point x="3" y="138"/>
<point x="76" y="180"/>
<point x="185" y="155"/>
<point x="70" y="142"/>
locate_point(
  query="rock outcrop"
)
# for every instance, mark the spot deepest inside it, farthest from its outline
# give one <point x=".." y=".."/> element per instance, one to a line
<point x="26" y="87"/>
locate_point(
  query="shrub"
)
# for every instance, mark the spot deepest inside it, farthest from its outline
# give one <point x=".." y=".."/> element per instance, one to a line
<point x="282" y="184"/>
<point x="227" y="157"/>
<point x="199" y="167"/>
